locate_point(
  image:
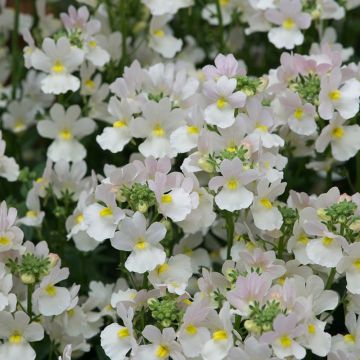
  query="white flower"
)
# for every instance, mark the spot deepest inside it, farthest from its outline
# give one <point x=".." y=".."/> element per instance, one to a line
<point x="162" y="7"/>
<point x="51" y="299"/>
<point x="116" y="137"/>
<point x="163" y="345"/>
<point x="102" y="221"/>
<point x="223" y="101"/>
<point x="20" y="115"/>
<point x="266" y="215"/>
<point x="156" y="125"/>
<point x="326" y="248"/>
<point x="233" y="195"/>
<point x="344" y="139"/>
<point x="17" y="332"/>
<point x="161" y="38"/>
<point x="173" y="274"/>
<point x="9" y="169"/>
<point x="66" y="128"/>
<point x="7" y="300"/>
<point x="34" y="216"/>
<point x="143" y="242"/>
<point x="350" y="264"/>
<point x="117" y="340"/>
<point x="59" y="60"/>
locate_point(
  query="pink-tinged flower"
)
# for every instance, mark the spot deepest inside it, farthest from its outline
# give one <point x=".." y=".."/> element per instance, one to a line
<point x="233" y="195"/>
<point x="301" y="118"/>
<point x="343" y="139"/>
<point x="340" y="95"/>
<point x="290" y="20"/>
<point x="247" y="290"/>
<point x="193" y="333"/>
<point x="223" y="101"/>
<point x="283" y="338"/>
<point x="225" y="65"/>
<point x="326" y="248"/>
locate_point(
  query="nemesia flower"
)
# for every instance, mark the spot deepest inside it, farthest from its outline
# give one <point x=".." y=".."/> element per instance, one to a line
<point x="223" y="100"/>
<point x="65" y="127"/>
<point x="161" y="7"/>
<point x="9" y="169"/>
<point x="17" y="332"/>
<point x="233" y="195"/>
<point x="349" y="265"/>
<point x="284" y="337"/>
<point x="344" y="139"/>
<point x="143" y="242"/>
<point x="290" y="20"/>
<point x="51" y="299"/>
<point x="58" y="59"/>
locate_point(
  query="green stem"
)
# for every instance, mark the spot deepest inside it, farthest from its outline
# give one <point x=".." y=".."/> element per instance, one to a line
<point x="281" y="247"/>
<point x="221" y="26"/>
<point x="329" y="179"/>
<point x="357" y="186"/>
<point x="30" y="289"/>
<point x="330" y="279"/>
<point x="124" y="32"/>
<point x="229" y="232"/>
<point x="15" y="50"/>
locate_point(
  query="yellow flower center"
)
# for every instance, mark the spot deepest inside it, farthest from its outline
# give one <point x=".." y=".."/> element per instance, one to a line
<point x="19" y="125"/>
<point x="285" y="341"/>
<point x="141" y="244"/>
<point x="266" y="203"/>
<point x="335" y="95"/>
<point x="219" y="335"/>
<point x="187" y="251"/>
<point x="162" y="351"/>
<point x="119" y="124"/>
<point x="192" y="130"/>
<point x="50" y="290"/>
<point x="123" y="333"/>
<point x="166" y="199"/>
<point x="356" y="264"/>
<point x="15" y="338"/>
<point x="232" y="184"/>
<point x="162" y="268"/>
<point x="90" y="84"/>
<point x="288" y="24"/>
<point x="158" y="131"/>
<point x="338" y="132"/>
<point x="92" y="44"/>
<point x="262" y="128"/>
<point x="39" y="180"/>
<point x="327" y="241"/>
<point x="71" y="312"/>
<point x="231" y="148"/>
<point x="298" y="113"/>
<point x="191" y="329"/>
<point x="159" y="33"/>
<point x="281" y="280"/>
<point x="303" y="239"/>
<point x="79" y="219"/>
<point x="221" y="103"/>
<point x="32" y="214"/>
<point x="65" y="134"/>
<point x="224" y="2"/>
<point x="349" y="338"/>
<point x="311" y="329"/>
<point x="4" y="241"/>
<point x="58" y="67"/>
<point x="105" y="212"/>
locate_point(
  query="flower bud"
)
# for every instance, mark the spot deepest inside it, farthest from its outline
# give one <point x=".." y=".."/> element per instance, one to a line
<point x="27" y="279"/>
<point x="54" y="258"/>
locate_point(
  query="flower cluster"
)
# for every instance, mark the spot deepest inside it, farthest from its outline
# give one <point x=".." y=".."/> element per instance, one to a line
<point x="153" y="209"/>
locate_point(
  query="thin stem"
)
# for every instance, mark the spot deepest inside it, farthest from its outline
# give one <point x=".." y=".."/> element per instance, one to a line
<point x="124" y="32"/>
<point x="15" y="50"/>
<point x="330" y="279"/>
<point x="221" y="26"/>
<point x="30" y="289"/>
<point x="229" y="232"/>
<point x="357" y="185"/>
<point x="329" y="178"/>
